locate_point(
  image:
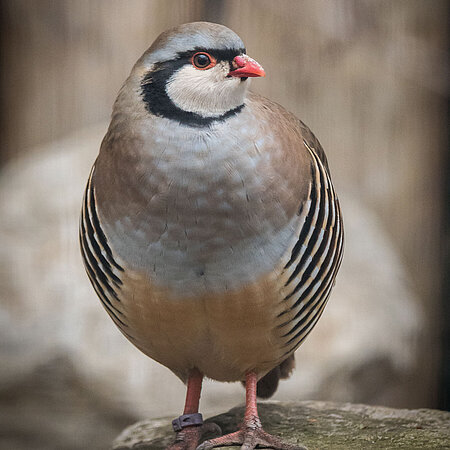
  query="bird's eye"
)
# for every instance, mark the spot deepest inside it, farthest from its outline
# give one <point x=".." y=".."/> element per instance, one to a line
<point x="203" y="61"/>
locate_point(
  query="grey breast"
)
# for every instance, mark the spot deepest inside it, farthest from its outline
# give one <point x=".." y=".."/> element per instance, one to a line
<point x="205" y="220"/>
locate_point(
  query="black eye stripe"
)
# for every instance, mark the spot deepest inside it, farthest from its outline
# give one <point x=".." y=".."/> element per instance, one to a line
<point x="219" y="54"/>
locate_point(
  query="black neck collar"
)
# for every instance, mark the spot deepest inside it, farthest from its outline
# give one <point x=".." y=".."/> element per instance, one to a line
<point x="157" y="102"/>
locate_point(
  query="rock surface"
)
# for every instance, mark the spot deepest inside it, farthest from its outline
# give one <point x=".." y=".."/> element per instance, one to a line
<point x="318" y="426"/>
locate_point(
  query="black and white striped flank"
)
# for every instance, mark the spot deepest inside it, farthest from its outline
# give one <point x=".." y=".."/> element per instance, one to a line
<point x="315" y="258"/>
<point x="101" y="267"/>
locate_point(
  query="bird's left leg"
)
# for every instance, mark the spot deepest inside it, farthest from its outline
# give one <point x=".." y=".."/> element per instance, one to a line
<point x="189" y="427"/>
<point x="251" y="434"/>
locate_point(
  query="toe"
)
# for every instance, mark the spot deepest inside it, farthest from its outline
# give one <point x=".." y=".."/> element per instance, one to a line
<point x="249" y="442"/>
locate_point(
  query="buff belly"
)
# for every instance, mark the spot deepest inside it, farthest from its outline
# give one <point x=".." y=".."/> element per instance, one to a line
<point x="224" y="334"/>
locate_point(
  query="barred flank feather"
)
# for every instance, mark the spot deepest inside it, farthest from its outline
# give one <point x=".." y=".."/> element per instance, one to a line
<point x="102" y="269"/>
<point x="315" y="258"/>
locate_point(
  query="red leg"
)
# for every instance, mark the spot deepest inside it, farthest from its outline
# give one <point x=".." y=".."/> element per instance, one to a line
<point x="251" y="409"/>
<point x="193" y="392"/>
<point x="251" y="433"/>
<point x="188" y="437"/>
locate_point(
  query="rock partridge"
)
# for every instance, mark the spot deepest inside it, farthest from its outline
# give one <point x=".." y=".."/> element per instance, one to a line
<point x="210" y="228"/>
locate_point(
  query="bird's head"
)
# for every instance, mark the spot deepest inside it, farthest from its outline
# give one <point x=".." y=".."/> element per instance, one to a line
<point x="196" y="74"/>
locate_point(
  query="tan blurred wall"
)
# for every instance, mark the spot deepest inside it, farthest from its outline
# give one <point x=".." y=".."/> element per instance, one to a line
<point x="366" y="75"/>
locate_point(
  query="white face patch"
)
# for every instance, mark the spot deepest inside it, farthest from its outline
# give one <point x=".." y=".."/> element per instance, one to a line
<point x="209" y="92"/>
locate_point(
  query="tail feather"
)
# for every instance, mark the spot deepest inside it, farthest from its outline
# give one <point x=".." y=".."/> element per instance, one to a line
<point x="287" y="367"/>
<point x="268" y="384"/>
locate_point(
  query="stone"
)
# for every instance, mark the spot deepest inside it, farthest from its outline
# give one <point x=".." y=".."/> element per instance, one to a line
<point x="317" y="425"/>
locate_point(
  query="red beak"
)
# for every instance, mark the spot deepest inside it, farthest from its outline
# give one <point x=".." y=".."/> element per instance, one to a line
<point x="244" y="66"/>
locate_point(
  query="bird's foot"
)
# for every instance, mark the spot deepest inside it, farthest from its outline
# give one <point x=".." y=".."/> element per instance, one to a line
<point x="189" y="437"/>
<point x="249" y="437"/>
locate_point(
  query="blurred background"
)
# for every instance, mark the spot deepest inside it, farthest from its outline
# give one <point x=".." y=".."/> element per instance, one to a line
<point x="370" y="77"/>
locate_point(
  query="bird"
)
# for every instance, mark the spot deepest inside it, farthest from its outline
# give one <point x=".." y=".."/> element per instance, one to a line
<point x="210" y="228"/>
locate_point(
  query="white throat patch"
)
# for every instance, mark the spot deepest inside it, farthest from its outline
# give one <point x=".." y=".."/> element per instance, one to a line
<point x="208" y="93"/>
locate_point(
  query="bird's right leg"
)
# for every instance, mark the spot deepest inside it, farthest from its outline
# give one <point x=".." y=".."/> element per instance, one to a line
<point x="189" y="427"/>
<point x="251" y="434"/>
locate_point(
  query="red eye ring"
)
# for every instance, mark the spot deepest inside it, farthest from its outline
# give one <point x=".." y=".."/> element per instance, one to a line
<point x="203" y="61"/>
